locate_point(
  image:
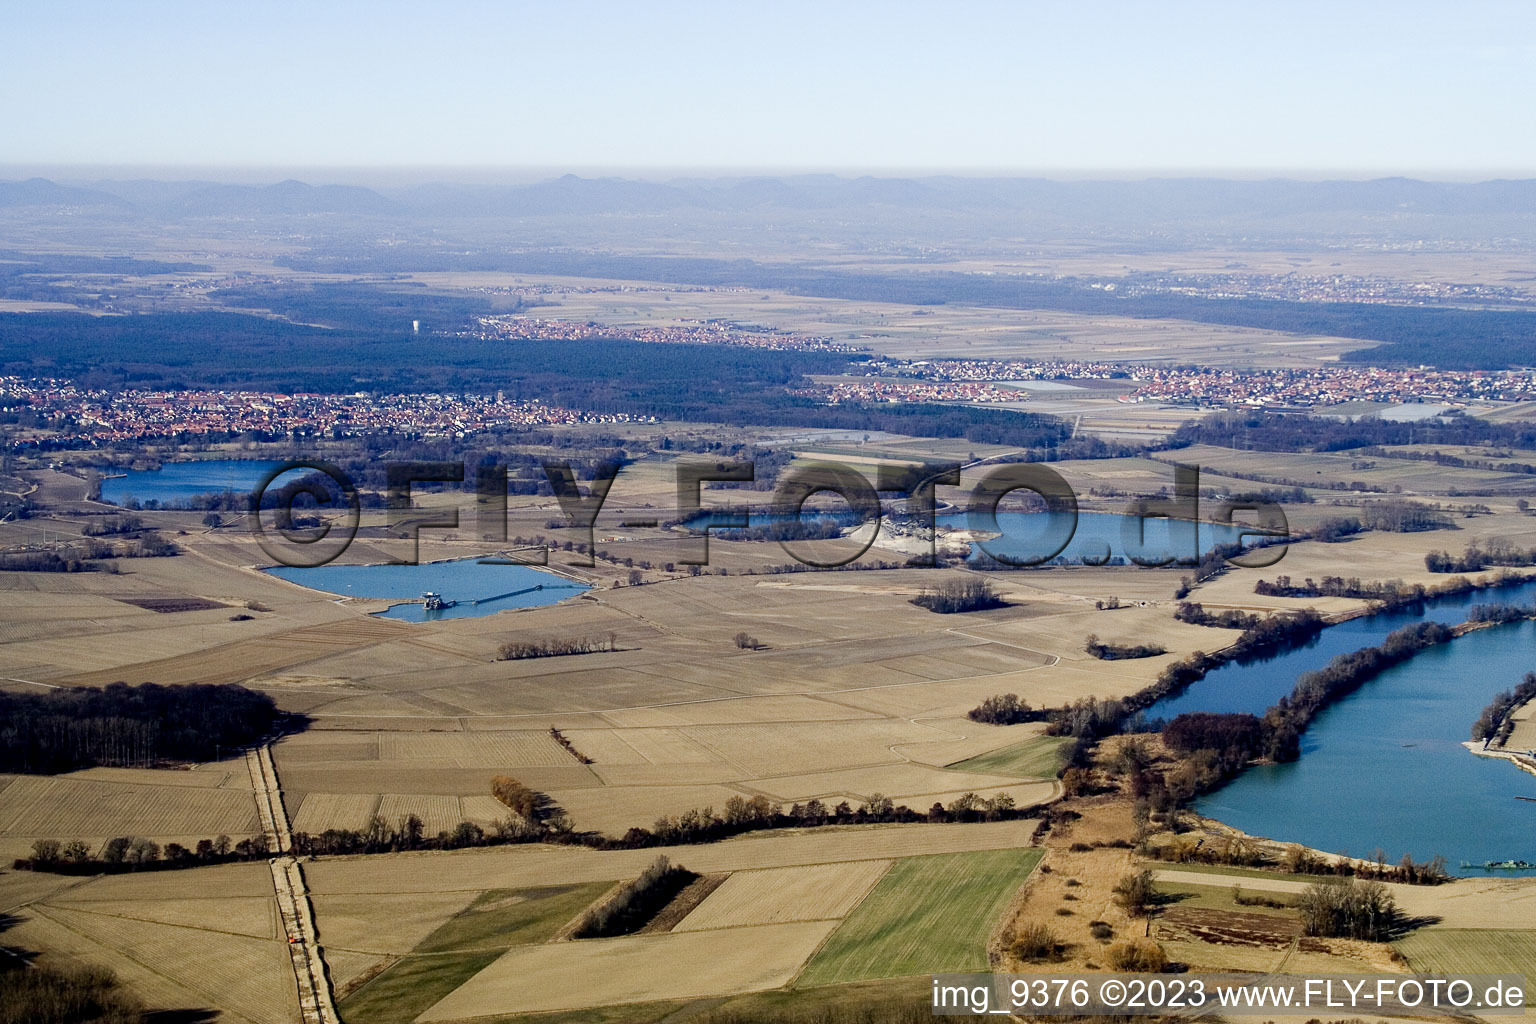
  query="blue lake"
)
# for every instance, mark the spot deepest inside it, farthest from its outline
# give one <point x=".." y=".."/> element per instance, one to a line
<point x="1098" y="536"/>
<point x="1384" y="767"/>
<point x="464" y="581"/>
<point x="179" y="482"/>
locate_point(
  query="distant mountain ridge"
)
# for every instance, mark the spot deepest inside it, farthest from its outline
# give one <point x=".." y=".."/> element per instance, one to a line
<point x="1152" y="199"/>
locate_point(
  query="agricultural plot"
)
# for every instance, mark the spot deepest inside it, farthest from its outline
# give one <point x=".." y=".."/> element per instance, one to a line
<point x="61" y="946"/>
<point x="522" y="866"/>
<point x="762" y="708"/>
<point x="604" y="972"/>
<point x="437" y="813"/>
<point x="648" y="746"/>
<point x="317" y="812"/>
<point x="61" y="807"/>
<point x="1040" y="757"/>
<point x="927" y="914"/>
<point x="464" y="944"/>
<point x="1183" y="896"/>
<point x="1386" y="473"/>
<point x="1470" y="950"/>
<point x="813" y="893"/>
<point x="383" y="924"/>
<point x="252" y="916"/>
<point x="143" y="926"/>
<point x="807" y="747"/>
<point x="857" y="784"/>
<point x="475" y="749"/>
<point x="613" y="809"/>
<point x="249" y="977"/>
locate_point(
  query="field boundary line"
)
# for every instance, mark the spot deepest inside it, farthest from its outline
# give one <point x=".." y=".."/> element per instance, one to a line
<point x="83" y="909"/>
<point x="113" y="951"/>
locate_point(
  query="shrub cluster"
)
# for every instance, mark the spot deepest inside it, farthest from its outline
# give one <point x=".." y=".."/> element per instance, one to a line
<point x="1396" y="515"/>
<point x="1496" y="722"/>
<point x="1475" y="558"/>
<point x="1500" y="614"/>
<point x="1349" y="909"/>
<point x="518" y="650"/>
<point x="1139" y="954"/>
<point x="1035" y="942"/>
<point x="570" y="748"/>
<point x="1195" y="614"/>
<point x="1121" y="652"/>
<point x="65" y="995"/>
<point x="954" y="596"/>
<point x="633" y="906"/>
<point x="1004" y="709"/>
<point x="528" y="804"/>
<point x="1298" y="860"/>
<point x="1391" y="591"/>
<point x="1136" y="893"/>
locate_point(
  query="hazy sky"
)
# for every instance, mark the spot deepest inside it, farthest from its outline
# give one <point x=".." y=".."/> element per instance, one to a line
<point x="1377" y="87"/>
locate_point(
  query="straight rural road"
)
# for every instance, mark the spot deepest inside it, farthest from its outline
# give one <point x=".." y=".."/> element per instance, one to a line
<point x="316" y="1004"/>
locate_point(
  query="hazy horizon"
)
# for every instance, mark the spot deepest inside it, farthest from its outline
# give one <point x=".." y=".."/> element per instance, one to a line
<point x="989" y="87"/>
<point x="398" y="176"/>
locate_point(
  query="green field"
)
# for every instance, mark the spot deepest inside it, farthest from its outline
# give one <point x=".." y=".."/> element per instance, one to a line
<point x="1444" y="951"/>
<point x="927" y="914"/>
<point x="463" y="946"/>
<point x="1040" y="757"/>
<point x="1219" y="897"/>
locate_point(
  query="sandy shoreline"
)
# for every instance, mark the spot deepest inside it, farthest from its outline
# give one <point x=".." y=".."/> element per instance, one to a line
<point x="1524" y="761"/>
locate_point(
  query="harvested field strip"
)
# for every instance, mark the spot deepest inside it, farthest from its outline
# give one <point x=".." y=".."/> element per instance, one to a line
<point x="40" y="932"/>
<point x="1200" y="874"/>
<point x="484" y="810"/>
<point x="364" y="629"/>
<point x="632" y="969"/>
<point x="462" y="946"/>
<point x="927" y="914"/>
<point x="1041" y="757"/>
<point x="64" y="808"/>
<point x="815" y="893"/>
<point x="226" y="663"/>
<point x="249" y="977"/>
<point x="252" y="916"/>
<point x="166" y="605"/>
<point x="1219" y="897"/>
<point x="437" y="813"/>
<point x="1445" y="951"/>
<point x="524" y="748"/>
<point x="320" y="811"/>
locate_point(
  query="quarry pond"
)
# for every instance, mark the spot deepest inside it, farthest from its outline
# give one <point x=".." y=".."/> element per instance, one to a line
<point x="468" y="587"/>
<point x="1385" y="767"/>
<point x="175" y="483"/>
